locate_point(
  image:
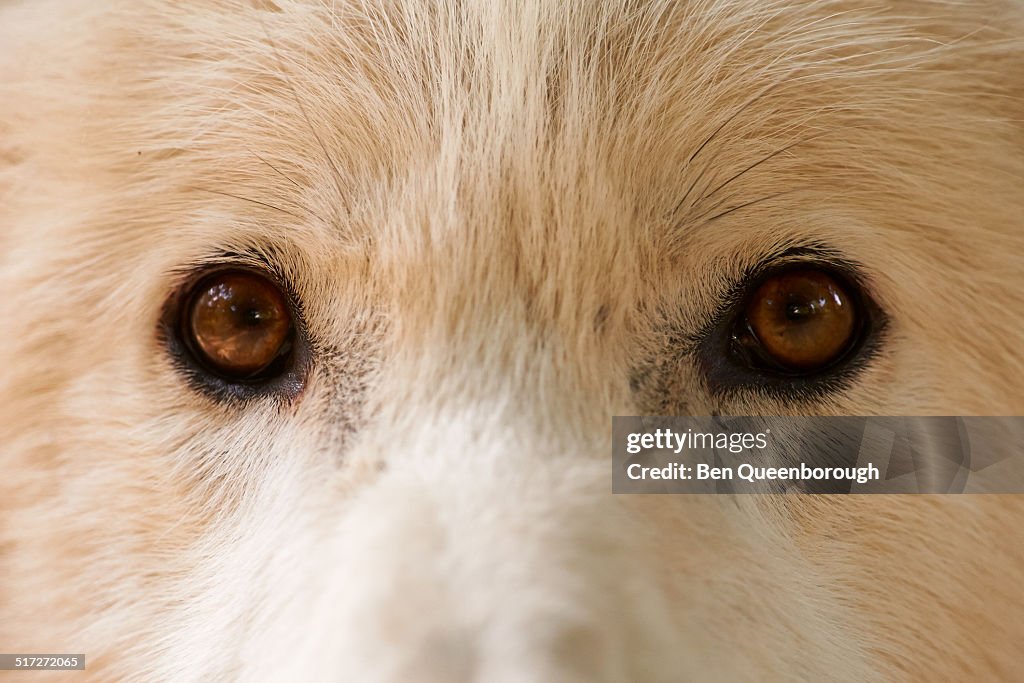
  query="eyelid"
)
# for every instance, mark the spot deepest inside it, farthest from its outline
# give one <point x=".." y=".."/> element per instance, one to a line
<point x="243" y="259"/>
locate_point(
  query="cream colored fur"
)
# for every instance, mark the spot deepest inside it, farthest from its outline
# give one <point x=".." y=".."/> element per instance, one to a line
<point x="483" y="208"/>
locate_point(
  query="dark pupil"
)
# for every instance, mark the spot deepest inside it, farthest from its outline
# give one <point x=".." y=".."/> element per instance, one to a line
<point x="252" y="317"/>
<point x="799" y="310"/>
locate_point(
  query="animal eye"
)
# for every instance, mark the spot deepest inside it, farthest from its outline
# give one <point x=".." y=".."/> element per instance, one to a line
<point x="799" y="321"/>
<point x="237" y="324"/>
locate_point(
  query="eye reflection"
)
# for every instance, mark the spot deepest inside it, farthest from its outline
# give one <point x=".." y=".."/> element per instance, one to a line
<point x="238" y="324"/>
<point x="799" y="320"/>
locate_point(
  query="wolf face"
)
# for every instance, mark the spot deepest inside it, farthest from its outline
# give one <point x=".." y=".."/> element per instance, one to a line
<point x="482" y="229"/>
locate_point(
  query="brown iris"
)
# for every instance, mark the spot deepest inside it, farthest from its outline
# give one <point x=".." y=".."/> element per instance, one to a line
<point x="802" y="319"/>
<point x="238" y="323"/>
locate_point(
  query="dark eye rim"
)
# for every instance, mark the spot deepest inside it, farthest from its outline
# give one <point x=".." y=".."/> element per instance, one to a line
<point x="729" y="367"/>
<point x="285" y="377"/>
